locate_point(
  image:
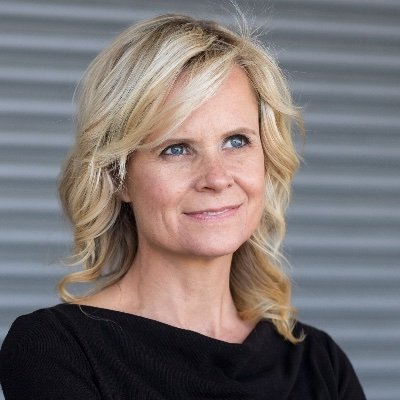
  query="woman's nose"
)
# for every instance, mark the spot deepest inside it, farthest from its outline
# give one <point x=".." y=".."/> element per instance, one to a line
<point x="213" y="175"/>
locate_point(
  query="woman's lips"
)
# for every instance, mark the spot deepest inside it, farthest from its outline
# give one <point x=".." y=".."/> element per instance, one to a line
<point x="214" y="213"/>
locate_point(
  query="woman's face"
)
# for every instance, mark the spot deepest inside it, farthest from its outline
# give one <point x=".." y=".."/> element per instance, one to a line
<point x="201" y="193"/>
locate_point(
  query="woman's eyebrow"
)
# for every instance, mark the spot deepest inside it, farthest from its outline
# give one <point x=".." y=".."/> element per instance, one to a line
<point x="189" y="140"/>
<point x="239" y="131"/>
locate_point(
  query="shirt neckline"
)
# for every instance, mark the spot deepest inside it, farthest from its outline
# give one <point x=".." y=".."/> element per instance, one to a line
<point x="168" y="328"/>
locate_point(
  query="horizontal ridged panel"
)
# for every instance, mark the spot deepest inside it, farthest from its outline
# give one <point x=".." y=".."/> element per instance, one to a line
<point x="343" y="63"/>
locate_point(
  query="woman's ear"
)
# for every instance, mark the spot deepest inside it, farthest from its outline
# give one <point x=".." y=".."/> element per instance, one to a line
<point x="123" y="194"/>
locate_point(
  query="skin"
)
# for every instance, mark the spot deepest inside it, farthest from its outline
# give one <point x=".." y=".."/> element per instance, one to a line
<point x="196" y="198"/>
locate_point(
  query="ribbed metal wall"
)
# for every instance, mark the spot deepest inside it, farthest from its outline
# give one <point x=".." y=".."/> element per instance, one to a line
<point x="343" y="60"/>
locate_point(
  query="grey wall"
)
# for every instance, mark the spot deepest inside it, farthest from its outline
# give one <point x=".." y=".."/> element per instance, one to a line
<point x="343" y="60"/>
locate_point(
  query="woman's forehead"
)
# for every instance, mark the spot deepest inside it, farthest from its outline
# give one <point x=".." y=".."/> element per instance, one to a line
<point x="234" y="105"/>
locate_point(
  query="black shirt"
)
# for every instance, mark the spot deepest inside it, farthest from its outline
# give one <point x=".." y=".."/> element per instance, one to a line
<point x="82" y="352"/>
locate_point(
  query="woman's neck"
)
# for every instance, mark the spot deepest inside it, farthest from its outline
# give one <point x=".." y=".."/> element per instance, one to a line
<point x="187" y="293"/>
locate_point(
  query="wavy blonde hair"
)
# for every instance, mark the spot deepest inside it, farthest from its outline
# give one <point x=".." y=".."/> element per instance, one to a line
<point x="122" y="100"/>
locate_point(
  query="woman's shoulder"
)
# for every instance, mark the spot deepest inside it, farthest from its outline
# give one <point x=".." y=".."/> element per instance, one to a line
<point x="40" y="322"/>
<point x="39" y="353"/>
<point x="322" y="351"/>
<point x="318" y="341"/>
<point x="317" y="338"/>
<point x="60" y="327"/>
<point x="39" y="332"/>
<point x="43" y="313"/>
<point x="313" y="333"/>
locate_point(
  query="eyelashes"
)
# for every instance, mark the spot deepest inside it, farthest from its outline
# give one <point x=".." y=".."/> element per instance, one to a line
<point x="233" y="142"/>
<point x="236" y="141"/>
<point x="178" y="149"/>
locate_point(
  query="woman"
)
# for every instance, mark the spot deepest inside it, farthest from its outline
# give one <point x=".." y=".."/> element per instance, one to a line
<point x="176" y="189"/>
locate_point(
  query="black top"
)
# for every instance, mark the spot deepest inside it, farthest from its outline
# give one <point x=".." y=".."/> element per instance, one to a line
<point x="73" y="352"/>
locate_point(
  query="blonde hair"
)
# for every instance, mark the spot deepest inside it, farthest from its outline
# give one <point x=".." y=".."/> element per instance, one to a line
<point x="122" y="99"/>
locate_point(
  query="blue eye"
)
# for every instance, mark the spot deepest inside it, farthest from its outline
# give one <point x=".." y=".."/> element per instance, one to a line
<point x="236" y="141"/>
<point x="175" y="150"/>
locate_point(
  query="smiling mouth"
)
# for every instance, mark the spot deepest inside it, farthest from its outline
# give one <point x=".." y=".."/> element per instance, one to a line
<point x="210" y="213"/>
<point x="215" y="212"/>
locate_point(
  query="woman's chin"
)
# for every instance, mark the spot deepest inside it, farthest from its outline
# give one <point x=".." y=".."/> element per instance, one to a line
<point x="213" y="249"/>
